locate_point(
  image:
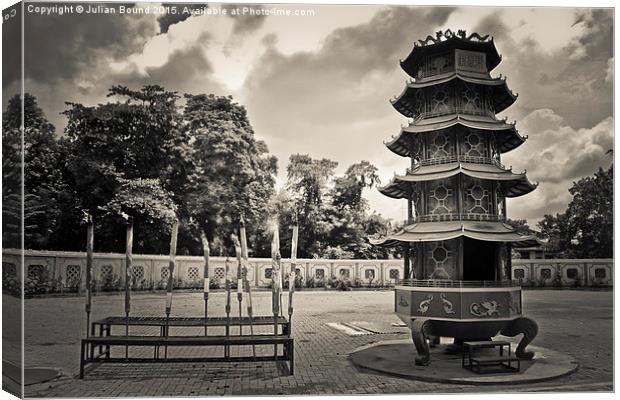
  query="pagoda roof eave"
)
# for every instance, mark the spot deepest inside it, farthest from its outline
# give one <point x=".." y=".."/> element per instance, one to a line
<point x="509" y="137"/>
<point x="514" y="185"/>
<point x="503" y="98"/>
<point x="412" y="62"/>
<point x="490" y="231"/>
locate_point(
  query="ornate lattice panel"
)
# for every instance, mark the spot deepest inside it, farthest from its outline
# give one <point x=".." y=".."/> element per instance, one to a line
<point x="319" y="273"/>
<point x="164" y="273"/>
<point x="73" y="273"/>
<point x="106" y="272"/>
<point x="268" y="273"/>
<point x="473" y="144"/>
<point x="439" y="144"/>
<point x="219" y="274"/>
<point x="344" y="273"/>
<point x="137" y="272"/>
<point x="471" y="99"/>
<point x="477" y="196"/>
<point x="440" y="259"/>
<point x="441" y="199"/>
<point x="441" y="100"/>
<point x="394" y="274"/>
<point x="193" y="273"/>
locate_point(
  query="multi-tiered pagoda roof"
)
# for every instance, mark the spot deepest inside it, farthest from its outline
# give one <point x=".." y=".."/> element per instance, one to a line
<point x="456" y="185"/>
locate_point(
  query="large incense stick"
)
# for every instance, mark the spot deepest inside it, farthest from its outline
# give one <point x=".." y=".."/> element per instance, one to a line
<point x="171" y="266"/>
<point x="276" y="282"/>
<point x="239" y="280"/>
<point x="90" y="230"/>
<point x="226" y="348"/>
<point x="244" y="253"/>
<point x="292" y="275"/>
<point x="128" y="270"/>
<point x="205" y="249"/>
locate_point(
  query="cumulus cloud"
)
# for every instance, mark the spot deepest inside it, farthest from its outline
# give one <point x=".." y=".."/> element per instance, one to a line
<point x="247" y="23"/>
<point x="556" y="155"/>
<point x="57" y="47"/>
<point x="570" y="79"/>
<point x="330" y="101"/>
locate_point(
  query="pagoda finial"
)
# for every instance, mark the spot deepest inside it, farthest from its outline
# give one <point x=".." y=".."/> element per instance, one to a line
<point x="461" y="33"/>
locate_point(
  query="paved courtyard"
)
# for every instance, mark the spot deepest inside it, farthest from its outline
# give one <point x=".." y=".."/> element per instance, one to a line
<point x="579" y="323"/>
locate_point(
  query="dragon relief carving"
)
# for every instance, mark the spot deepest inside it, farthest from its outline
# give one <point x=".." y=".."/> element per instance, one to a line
<point x="448" y="34"/>
<point x="487" y="308"/>
<point x="448" y="307"/>
<point x="425" y="304"/>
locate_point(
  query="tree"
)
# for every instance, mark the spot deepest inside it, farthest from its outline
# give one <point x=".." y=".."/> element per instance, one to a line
<point x="134" y="139"/>
<point x="11" y="175"/>
<point x="43" y="180"/>
<point x="348" y="212"/>
<point x="307" y="186"/>
<point x="585" y="230"/>
<point x="235" y="175"/>
<point x="590" y="215"/>
<point x="348" y="189"/>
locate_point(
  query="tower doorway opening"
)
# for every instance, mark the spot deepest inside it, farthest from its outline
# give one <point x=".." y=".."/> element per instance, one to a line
<point x="479" y="260"/>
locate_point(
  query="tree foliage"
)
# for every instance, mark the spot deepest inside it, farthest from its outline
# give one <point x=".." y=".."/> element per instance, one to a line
<point x="332" y="213"/>
<point x="142" y="154"/>
<point x="585" y="230"/>
<point x="235" y="175"/>
<point x="43" y="181"/>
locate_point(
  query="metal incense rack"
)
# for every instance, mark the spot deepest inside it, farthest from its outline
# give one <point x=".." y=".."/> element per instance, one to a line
<point x="100" y="340"/>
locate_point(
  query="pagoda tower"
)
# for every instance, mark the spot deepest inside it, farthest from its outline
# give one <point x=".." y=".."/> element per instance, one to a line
<point x="456" y="243"/>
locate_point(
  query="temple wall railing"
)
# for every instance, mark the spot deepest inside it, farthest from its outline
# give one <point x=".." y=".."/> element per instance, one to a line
<point x="67" y="269"/>
<point x="563" y="272"/>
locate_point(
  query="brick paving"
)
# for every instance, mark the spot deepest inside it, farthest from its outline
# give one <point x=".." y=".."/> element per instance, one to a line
<point x="579" y="323"/>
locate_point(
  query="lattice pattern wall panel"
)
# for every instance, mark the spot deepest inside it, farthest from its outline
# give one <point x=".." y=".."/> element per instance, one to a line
<point x="441" y="197"/>
<point x="472" y="98"/>
<point x="193" y="273"/>
<point x="137" y="273"/>
<point x="440" y="259"/>
<point x="439" y="144"/>
<point x="477" y="196"/>
<point x="441" y="99"/>
<point x="73" y="273"/>
<point x="474" y="144"/>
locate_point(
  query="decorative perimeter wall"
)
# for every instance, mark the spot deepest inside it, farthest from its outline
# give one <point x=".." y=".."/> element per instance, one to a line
<point x="67" y="269"/>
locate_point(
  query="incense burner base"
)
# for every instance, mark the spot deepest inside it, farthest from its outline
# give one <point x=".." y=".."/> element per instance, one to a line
<point x="463" y="313"/>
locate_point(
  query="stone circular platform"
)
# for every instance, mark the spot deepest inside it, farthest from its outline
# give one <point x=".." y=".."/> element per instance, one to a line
<point x="395" y="357"/>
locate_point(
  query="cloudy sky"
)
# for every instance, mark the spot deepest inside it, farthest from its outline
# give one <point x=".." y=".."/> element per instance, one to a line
<point x="321" y="84"/>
